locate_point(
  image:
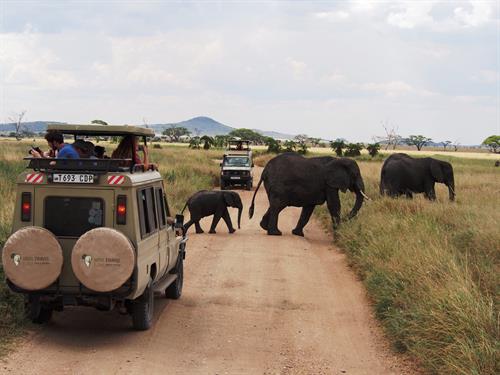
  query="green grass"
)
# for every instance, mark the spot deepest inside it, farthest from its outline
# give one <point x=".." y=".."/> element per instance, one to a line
<point x="432" y="268"/>
<point x="184" y="171"/>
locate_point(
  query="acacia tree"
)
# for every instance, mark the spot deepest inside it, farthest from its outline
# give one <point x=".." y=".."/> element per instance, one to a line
<point x="247" y="134"/>
<point x="456" y="145"/>
<point x="272" y="145"/>
<point x="301" y="141"/>
<point x="194" y="143"/>
<point x="418" y="141"/>
<point x="175" y="132"/>
<point x="99" y="122"/>
<point x="493" y="143"/>
<point x="290" y="146"/>
<point x="354" y="149"/>
<point x="207" y="142"/>
<point x="220" y="141"/>
<point x="446" y="144"/>
<point x="338" y="145"/>
<point x="373" y="149"/>
<point x="17" y="119"/>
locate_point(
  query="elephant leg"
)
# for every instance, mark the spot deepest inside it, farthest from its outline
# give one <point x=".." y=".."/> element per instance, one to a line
<point x="430" y="194"/>
<point x="333" y="204"/>
<point x="215" y="221"/>
<point x="198" y="227"/>
<point x="274" y="211"/>
<point x="264" y="223"/>
<point x="227" y="219"/>
<point x="409" y="194"/>
<point x="305" y="215"/>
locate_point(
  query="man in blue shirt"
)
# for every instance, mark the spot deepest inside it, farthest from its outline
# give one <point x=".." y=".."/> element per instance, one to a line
<point x="58" y="148"/>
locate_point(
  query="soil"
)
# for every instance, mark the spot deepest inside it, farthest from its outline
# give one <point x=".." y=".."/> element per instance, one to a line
<point x="251" y="304"/>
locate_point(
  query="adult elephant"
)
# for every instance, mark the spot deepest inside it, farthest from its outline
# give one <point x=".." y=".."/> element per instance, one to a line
<point x="293" y="180"/>
<point x="206" y="203"/>
<point x="402" y="174"/>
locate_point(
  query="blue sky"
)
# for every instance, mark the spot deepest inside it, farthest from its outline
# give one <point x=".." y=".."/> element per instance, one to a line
<point x="327" y="69"/>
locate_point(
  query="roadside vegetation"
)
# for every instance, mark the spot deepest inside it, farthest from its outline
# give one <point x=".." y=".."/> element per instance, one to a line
<point x="432" y="268"/>
<point x="184" y="171"/>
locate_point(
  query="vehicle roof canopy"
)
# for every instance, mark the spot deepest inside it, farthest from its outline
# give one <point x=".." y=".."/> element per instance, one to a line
<point x="105" y="130"/>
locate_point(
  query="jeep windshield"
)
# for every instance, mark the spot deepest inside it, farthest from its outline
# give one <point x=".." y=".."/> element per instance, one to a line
<point x="236" y="161"/>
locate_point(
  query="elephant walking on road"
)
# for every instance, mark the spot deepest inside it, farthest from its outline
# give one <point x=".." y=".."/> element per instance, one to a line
<point x="205" y="203"/>
<point x="293" y="180"/>
<point x="402" y="174"/>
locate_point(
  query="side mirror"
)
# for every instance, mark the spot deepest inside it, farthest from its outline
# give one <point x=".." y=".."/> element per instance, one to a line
<point x="220" y="164"/>
<point x="179" y="221"/>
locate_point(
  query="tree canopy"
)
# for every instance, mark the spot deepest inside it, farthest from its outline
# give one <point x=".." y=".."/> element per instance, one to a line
<point x="338" y="145"/>
<point x="247" y="134"/>
<point x="418" y="141"/>
<point x="175" y="132"/>
<point x="99" y="122"/>
<point x="493" y="143"/>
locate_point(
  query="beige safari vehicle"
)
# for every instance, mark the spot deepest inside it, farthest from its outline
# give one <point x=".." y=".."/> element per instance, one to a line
<point x="94" y="232"/>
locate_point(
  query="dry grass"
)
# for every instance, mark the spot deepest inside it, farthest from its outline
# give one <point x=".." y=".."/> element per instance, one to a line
<point x="184" y="171"/>
<point x="432" y="268"/>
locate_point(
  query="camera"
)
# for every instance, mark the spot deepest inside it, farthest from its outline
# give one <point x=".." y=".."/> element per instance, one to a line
<point x="37" y="149"/>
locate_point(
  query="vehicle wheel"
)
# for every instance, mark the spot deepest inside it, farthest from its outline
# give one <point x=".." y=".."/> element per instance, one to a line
<point x="143" y="308"/>
<point x="44" y="316"/>
<point x="174" y="290"/>
<point x="38" y="313"/>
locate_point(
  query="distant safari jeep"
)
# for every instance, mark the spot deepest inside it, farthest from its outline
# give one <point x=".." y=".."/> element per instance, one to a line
<point x="94" y="232"/>
<point x="236" y="166"/>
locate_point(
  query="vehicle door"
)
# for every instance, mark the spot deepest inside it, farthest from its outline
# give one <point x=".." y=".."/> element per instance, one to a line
<point x="163" y="230"/>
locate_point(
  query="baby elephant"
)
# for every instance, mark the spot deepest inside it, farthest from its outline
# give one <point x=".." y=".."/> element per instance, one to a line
<point x="206" y="203"/>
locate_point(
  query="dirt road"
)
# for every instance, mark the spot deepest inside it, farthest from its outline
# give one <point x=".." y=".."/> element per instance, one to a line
<point x="252" y="304"/>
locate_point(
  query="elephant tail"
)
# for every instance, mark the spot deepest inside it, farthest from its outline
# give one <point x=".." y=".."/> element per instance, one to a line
<point x="182" y="212"/>
<point x="251" y="209"/>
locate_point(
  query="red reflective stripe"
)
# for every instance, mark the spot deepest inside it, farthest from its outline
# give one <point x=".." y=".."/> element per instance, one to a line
<point x="31" y="177"/>
<point x="111" y="179"/>
<point x="38" y="179"/>
<point x="120" y="180"/>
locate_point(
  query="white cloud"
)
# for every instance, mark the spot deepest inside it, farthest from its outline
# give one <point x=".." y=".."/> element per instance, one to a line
<point x="480" y="14"/>
<point x="411" y="14"/>
<point x="487" y="76"/>
<point x="395" y="88"/>
<point x="333" y="15"/>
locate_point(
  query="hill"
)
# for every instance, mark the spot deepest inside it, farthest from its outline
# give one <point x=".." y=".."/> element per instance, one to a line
<point x="197" y="126"/>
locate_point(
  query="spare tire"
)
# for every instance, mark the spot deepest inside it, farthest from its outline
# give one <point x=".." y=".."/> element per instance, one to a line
<point x="32" y="258"/>
<point x="103" y="259"/>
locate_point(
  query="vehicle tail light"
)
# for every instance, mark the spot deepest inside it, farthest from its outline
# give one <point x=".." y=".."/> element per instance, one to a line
<point x="121" y="209"/>
<point x="26" y="207"/>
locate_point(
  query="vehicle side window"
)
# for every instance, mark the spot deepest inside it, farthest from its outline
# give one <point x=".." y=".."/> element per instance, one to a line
<point x="160" y="203"/>
<point x="147" y="211"/>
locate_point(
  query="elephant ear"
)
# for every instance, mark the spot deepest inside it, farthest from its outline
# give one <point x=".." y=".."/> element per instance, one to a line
<point x="437" y="171"/>
<point x="337" y="176"/>
<point x="229" y="198"/>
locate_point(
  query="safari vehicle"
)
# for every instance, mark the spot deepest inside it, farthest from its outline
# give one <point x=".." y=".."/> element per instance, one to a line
<point x="94" y="232"/>
<point x="236" y="166"/>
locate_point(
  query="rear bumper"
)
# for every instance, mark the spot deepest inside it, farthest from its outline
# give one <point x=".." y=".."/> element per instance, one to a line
<point x="232" y="179"/>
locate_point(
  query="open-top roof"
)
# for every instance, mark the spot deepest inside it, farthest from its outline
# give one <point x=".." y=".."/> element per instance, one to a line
<point x="95" y="129"/>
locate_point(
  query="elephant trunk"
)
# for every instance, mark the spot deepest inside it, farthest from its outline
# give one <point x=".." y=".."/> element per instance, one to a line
<point x="357" y="204"/>
<point x="451" y="190"/>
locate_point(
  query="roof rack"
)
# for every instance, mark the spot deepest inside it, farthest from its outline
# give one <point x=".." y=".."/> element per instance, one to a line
<point x="104" y="130"/>
<point x="98" y="166"/>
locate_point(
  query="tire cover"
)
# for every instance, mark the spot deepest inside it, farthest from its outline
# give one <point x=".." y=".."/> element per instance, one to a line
<point x="32" y="258"/>
<point x="103" y="259"/>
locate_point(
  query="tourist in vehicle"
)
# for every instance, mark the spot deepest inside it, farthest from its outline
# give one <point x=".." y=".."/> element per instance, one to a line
<point x="58" y="149"/>
<point x="128" y="148"/>
<point x="85" y="149"/>
<point x="99" y="152"/>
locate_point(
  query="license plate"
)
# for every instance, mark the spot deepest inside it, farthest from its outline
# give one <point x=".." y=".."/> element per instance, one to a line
<point x="235" y="177"/>
<point x="67" y="178"/>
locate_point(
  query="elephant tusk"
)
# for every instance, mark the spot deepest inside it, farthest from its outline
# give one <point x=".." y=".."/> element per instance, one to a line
<point x="364" y="195"/>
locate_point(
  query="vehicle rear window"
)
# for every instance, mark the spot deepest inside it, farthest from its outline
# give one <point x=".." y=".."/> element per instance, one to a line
<point x="72" y="216"/>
